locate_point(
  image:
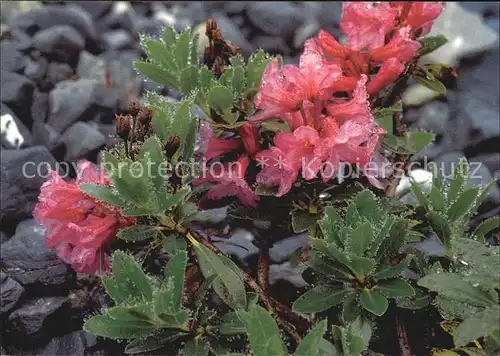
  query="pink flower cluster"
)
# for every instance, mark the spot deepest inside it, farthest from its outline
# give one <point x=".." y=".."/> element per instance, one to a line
<point x="78" y="226"/>
<point x="324" y="100"/>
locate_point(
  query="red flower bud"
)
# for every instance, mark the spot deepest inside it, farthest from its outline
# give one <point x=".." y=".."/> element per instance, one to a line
<point x="248" y="134"/>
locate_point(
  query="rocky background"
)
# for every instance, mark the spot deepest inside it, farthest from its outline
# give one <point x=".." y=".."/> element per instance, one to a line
<point x="66" y="68"/>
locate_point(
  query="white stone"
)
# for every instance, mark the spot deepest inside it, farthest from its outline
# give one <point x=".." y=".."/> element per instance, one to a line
<point x="10" y="131"/>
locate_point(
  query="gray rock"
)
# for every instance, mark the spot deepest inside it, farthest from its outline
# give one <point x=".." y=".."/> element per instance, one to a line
<point x="91" y="67"/>
<point x="26" y="258"/>
<point x="117" y="39"/>
<point x="74" y="344"/>
<point x="80" y="140"/>
<point x="330" y="13"/>
<point x="122" y="16"/>
<point x="232" y="32"/>
<point x="3" y="237"/>
<point x="20" y="39"/>
<point x="276" y="18"/>
<point x="58" y="72"/>
<point x="37" y="319"/>
<point x="71" y="101"/>
<point x="433" y="116"/>
<point x="15" y="89"/>
<point x="22" y="173"/>
<point x="14" y="133"/>
<point x="287" y="272"/>
<point x="40" y="106"/>
<point x="492" y="161"/>
<point x="54" y="15"/>
<point x="239" y="238"/>
<point x="282" y="249"/>
<point x="304" y="32"/>
<point x="11" y="293"/>
<point x="11" y="59"/>
<point x="273" y="44"/>
<point x="36" y="68"/>
<point x="60" y="42"/>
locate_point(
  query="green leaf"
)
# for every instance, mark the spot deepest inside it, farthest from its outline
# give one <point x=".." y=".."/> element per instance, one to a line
<point x="302" y="221"/>
<point x="361" y="238"/>
<point x="441" y="227"/>
<point x="231" y="325"/>
<point x="367" y="206"/>
<point x="220" y="98"/>
<point x="196" y="347"/>
<point x="257" y="63"/>
<point x="374" y="302"/>
<point x="173" y="244"/>
<point x="329" y="225"/>
<point x="484" y="193"/>
<point x="432" y="84"/>
<point x="131" y="314"/>
<point x="350" y="309"/>
<point x="416" y="141"/>
<point x="310" y="343"/>
<point x="174" y="200"/>
<point x="160" y="54"/>
<point x="479" y="325"/>
<point x="105" y="326"/>
<point x="101" y="193"/>
<point x="486" y="226"/>
<point x="176" y="320"/>
<point x="175" y="270"/>
<point x="157" y="74"/>
<point x="152" y="342"/>
<point x="460" y="176"/>
<point x="386" y="122"/>
<point x="387" y="272"/>
<point x="229" y="283"/>
<point x="117" y="292"/>
<point x="238" y="80"/>
<point x="152" y="151"/>
<point x="362" y="266"/>
<point x="130" y="277"/>
<point x="263" y="333"/>
<point x="189" y="145"/>
<point x="437" y="199"/>
<point x="138" y="233"/>
<point x="189" y="79"/>
<point x="182" y="50"/>
<point x="394" y="288"/>
<point x="276" y="126"/>
<point x="169" y="36"/>
<point x="320" y="298"/>
<point x="132" y="183"/>
<point x="463" y="204"/>
<point x="422" y="199"/>
<point x="454" y="286"/>
<point x="420" y="300"/>
<point x="431" y="43"/>
<point x="181" y="124"/>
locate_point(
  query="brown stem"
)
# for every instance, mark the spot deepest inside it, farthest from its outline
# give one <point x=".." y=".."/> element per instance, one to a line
<point x="404" y="345"/>
<point x="263" y="268"/>
<point x="284" y="314"/>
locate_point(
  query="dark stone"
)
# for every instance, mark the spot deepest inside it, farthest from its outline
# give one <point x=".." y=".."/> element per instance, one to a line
<point x="11" y="59"/>
<point x="3" y="237"/>
<point x="82" y="140"/>
<point x="40" y="106"/>
<point x="22" y="130"/>
<point x="96" y="9"/>
<point x="53" y="15"/>
<point x="71" y="101"/>
<point x="108" y="131"/>
<point x="45" y="135"/>
<point x="27" y="259"/>
<point x="57" y="72"/>
<point x="36" y="321"/>
<point x="117" y="39"/>
<point x="120" y="20"/>
<point x="11" y="293"/>
<point x="20" y="183"/>
<point x="16" y="90"/>
<point x="36" y="69"/>
<point x="74" y="344"/>
<point x="22" y="41"/>
<point x="62" y="43"/>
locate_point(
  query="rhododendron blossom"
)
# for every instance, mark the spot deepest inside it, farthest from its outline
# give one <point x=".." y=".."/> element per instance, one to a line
<point x="229" y="181"/>
<point x="78" y="226"/>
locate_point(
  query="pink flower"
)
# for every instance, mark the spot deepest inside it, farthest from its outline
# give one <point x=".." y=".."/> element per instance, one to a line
<point x="78" y="226"/>
<point x="355" y="108"/>
<point x="387" y="74"/>
<point x="367" y="23"/>
<point x="423" y="14"/>
<point x="218" y="146"/>
<point x="277" y="170"/>
<point x="331" y="47"/>
<point x="299" y="149"/>
<point x="284" y="90"/>
<point x="401" y="47"/>
<point x="249" y="137"/>
<point x="230" y="181"/>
